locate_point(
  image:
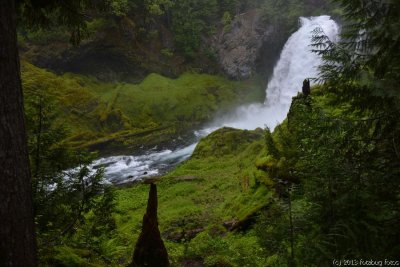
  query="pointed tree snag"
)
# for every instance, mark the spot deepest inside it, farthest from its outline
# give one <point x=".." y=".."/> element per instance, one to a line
<point x="306" y="87"/>
<point x="150" y="250"/>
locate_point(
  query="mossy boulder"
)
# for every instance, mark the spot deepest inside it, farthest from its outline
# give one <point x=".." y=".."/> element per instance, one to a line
<point x="226" y="141"/>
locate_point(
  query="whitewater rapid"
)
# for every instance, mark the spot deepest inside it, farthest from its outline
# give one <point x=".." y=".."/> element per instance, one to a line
<point x="297" y="62"/>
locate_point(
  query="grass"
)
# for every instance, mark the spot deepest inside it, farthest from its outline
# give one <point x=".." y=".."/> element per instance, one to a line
<point x="218" y="190"/>
<point x="104" y="116"/>
<point x="219" y="184"/>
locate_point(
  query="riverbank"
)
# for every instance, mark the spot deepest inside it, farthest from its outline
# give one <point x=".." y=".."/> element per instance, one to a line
<point x="202" y="203"/>
<point x="115" y="118"/>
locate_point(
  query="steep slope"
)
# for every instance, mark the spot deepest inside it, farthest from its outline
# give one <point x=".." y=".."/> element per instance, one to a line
<point x="217" y="191"/>
<point x="235" y="38"/>
<point x="110" y="116"/>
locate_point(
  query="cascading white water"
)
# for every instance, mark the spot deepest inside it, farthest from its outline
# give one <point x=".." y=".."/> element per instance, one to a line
<point x="296" y="63"/>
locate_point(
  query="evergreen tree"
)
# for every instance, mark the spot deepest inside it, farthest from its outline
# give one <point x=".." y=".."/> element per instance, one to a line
<point x="17" y="242"/>
<point x="368" y="50"/>
<point x="190" y="20"/>
<point x="344" y="152"/>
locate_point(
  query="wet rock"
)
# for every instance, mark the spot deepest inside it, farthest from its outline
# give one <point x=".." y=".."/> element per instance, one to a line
<point x="229" y="225"/>
<point x="239" y="48"/>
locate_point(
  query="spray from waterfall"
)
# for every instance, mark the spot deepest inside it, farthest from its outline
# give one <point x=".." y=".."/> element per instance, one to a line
<point x="297" y="62"/>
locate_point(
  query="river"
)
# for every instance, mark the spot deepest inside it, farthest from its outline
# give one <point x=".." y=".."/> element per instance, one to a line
<point x="296" y="63"/>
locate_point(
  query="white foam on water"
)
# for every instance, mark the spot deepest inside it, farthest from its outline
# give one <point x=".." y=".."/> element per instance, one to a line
<point x="297" y="62"/>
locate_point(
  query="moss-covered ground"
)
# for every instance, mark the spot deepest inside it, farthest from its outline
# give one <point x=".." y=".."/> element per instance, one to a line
<point x="204" y="204"/>
<point x="207" y="205"/>
<point x="111" y="116"/>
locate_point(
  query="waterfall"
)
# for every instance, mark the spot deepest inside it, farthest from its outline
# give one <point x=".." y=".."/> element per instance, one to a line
<point x="296" y="63"/>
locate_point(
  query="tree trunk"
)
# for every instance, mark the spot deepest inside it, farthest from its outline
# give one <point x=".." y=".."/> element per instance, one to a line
<point x="17" y="239"/>
<point x="150" y="250"/>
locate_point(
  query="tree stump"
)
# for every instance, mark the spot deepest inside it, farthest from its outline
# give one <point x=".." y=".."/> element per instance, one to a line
<point x="306" y="87"/>
<point x="150" y="250"/>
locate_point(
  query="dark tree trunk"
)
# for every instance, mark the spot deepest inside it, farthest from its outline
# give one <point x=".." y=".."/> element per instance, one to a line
<point x="306" y="87"/>
<point x="150" y="250"/>
<point x="17" y="240"/>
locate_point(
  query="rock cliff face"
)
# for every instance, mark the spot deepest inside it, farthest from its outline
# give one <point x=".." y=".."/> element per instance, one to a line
<point x="240" y="47"/>
<point x="127" y="49"/>
<point x="251" y="45"/>
<point x="117" y="52"/>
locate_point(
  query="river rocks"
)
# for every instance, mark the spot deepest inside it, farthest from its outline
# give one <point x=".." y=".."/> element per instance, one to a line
<point x="239" y="48"/>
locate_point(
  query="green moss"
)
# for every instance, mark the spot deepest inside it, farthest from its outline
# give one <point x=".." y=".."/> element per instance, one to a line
<point x="223" y="184"/>
<point x="200" y="195"/>
<point x="226" y="141"/>
<point x="67" y="256"/>
<point x="108" y="116"/>
<point x="230" y="250"/>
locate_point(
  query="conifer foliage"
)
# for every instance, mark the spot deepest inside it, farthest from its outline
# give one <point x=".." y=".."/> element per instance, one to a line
<point x="17" y="234"/>
<point x="341" y="145"/>
<point x="369" y="47"/>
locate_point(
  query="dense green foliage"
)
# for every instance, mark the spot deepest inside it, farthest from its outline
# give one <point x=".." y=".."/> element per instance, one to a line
<point x="190" y="20"/>
<point x="335" y="159"/>
<point x="199" y="202"/>
<point x="220" y="185"/>
<point x="285" y="14"/>
<point x="323" y="185"/>
<point x="111" y="115"/>
<point x="339" y="170"/>
<point x="69" y="16"/>
<point x="74" y="210"/>
<point x="169" y="28"/>
<point x="368" y="51"/>
<point x="63" y="197"/>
